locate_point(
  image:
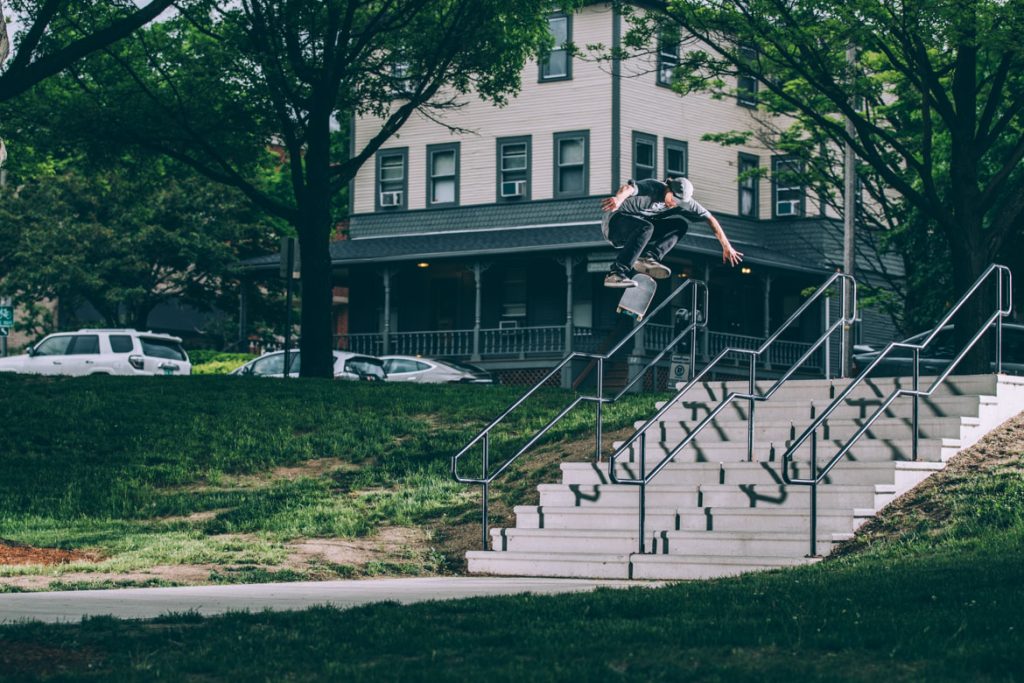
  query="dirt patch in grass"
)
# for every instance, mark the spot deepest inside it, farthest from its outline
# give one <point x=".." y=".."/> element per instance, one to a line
<point x="389" y="545"/>
<point x="178" y="574"/>
<point x="14" y="553"/>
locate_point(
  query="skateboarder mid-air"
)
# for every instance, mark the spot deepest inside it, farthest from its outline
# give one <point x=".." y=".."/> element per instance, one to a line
<point x="645" y="219"/>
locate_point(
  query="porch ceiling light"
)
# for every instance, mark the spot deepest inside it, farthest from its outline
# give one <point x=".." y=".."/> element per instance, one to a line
<point x="745" y="270"/>
<point x="422" y="264"/>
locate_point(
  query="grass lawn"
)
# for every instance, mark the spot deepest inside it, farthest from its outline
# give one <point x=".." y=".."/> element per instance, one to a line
<point x="186" y="480"/>
<point x="930" y="591"/>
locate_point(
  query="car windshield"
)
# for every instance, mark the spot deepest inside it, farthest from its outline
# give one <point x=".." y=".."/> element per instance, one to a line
<point x="162" y="348"/>
<point x="364" y="365"/>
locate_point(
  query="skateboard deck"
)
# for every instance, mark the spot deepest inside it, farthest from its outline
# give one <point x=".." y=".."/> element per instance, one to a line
<point x="636" y="300"/>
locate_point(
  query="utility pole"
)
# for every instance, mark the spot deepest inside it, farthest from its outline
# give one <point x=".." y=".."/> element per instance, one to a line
<point x="849" y="226"/>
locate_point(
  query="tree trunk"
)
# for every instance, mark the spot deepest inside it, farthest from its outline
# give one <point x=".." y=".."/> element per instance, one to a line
<point x="315" y="248"/>
<point x="970" y="259"/>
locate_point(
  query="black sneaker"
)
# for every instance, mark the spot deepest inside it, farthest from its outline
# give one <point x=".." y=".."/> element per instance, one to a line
<point x="618" y="281"/>
<point x="650" y="266"/>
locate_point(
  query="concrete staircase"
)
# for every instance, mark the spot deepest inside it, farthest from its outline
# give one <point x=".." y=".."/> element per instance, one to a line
<point x="712" y="513"/>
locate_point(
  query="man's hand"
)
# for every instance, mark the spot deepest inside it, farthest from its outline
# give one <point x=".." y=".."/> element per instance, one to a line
<point x="610" y="203"/>
<point x="730" y="255"/>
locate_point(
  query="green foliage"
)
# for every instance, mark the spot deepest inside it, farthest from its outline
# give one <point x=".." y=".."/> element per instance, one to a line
<point x="125" y="238"/>
<point x="207" y="362"/>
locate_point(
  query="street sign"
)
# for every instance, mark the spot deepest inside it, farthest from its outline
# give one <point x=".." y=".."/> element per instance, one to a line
<point x="6" y="316"/>
<point x="4" y="331"/>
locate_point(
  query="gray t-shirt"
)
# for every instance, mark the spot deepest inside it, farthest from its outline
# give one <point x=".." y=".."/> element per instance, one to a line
<point x="648" y="201"/>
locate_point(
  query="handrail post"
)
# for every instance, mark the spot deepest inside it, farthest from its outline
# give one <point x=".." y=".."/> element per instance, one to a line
<point x="751" y="403"/>
<point x="643" y="487"/>
<point x="814" y="492"/>
<point x="600" y="406"/>
<point x="917" y="400"/>
<point x="828" y="341"/>
<point x="846" y="337"/>
<point x="693" y="335"/>
<point x="999" y="323"/>
<point x="485" y="486"/>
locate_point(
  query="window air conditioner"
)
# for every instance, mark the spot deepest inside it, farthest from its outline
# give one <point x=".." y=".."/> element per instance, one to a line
<point x="391" y="198"/>
<point x="513" y="188"/>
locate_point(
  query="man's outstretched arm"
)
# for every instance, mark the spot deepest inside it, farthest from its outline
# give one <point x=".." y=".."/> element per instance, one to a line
<point x="729" y="255"/>
<point x="613" y="203"/>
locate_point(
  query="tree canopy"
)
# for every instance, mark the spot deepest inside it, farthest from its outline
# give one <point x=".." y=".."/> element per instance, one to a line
<point x="212" y="86"/>
<point x="935" y="95"/>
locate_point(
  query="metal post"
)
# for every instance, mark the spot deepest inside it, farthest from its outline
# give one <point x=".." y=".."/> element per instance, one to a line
<point x="814" y="491"/>
<point x="486" y="487"/>
<point x="693" y="335"/>
<point x="849" y="220"/>
<point x="288" y="314"/>
<point x="845" y="340"/>
<point x="999" y="323"/>
<point x="828" y="340"/>
<point x="750" y="410"/>
<point x="917" y="400"/>
<point x="600" y="406"/>
<point x="643" y="487"/>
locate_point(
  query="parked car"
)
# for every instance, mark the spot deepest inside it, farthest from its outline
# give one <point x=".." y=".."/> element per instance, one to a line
<point x="102" y="352"/>
<point x="346" y="366"/>
<point x="433" y="370"/>
<point x="939" y="352"/>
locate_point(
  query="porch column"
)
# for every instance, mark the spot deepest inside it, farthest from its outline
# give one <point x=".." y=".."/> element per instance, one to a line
<point x="767" y="316"/>
<point x="386" y="332"/>
<point x="478" y="271"/>
<point x="569" y="262"/>
<point x="705" y="333"/>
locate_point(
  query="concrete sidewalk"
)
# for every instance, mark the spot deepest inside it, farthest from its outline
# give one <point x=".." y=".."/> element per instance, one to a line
<point x="147" y="603"/>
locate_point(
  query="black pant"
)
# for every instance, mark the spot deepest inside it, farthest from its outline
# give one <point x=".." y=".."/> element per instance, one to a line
<point x="640" y="235"/>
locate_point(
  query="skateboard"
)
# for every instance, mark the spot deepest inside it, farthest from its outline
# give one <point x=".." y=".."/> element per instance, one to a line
<point x="636" y="300"/>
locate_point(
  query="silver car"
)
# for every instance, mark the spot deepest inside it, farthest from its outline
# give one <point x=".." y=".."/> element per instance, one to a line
<point x="433" y="371"/>
<point x="346" y="366"/>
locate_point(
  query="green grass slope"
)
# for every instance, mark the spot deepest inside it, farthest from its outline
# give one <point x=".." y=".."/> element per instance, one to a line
<point x="222" y="473"/>
<point x="928" y="592"/>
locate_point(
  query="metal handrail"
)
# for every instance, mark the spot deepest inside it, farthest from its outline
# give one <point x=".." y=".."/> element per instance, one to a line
<point x="645" y="477"/>
<point x="483" y="437"/>
<point x="811" y="432"/>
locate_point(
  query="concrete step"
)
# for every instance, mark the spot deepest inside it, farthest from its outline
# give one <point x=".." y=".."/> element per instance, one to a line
<point x="600" y="541"/>
<point x="774" y="520"/>
<point x="800" y="411"/>
<point x="742" y="543"/>
<point x="821" y="389"/>
<point x="873" y="450"/>
<point x="623" y="518"/>
<point x="615" y="495"/>
<point x="775" y="496"/>
<point x="952" y="427"/>
<point x="714" y="495"/>
<point x="671" y="567"/>
<point x="576" y="565"/>
<point x="904" y="475"/>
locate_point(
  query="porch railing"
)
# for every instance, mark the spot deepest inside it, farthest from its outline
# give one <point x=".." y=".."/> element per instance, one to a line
<point x="527" y="342"/>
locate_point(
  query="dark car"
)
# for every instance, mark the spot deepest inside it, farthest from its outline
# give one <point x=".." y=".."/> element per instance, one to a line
<point x="940" y="351"/>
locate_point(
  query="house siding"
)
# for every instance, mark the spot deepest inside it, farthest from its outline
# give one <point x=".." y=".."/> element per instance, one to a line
<point x="540" y="110"/>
